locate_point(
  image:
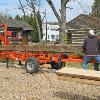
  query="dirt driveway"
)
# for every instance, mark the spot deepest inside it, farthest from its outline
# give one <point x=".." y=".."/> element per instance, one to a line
<point x="16" y="84"/>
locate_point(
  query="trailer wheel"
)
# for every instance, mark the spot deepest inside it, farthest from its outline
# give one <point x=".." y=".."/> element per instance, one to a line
<point x="59" y="64"/>
<point x="56" y="66"/>
<point x="31" y="65"/>
<point x="53" y="65"/>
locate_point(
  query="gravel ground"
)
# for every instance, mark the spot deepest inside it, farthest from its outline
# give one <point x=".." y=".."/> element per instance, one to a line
<point x="16" y="84"/>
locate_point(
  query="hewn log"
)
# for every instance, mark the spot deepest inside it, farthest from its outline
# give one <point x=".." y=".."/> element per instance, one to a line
<point x="43" y="47"/>
<point x="79" y="73"/>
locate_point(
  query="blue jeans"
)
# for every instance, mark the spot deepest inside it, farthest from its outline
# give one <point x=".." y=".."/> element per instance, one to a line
<point x="88" y="59"/>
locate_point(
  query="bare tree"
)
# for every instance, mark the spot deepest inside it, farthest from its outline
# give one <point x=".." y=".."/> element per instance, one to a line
<point x="54" y="9"/>
<point x="22" y="8"/>
<point x="5" y="15"/>
<point x="31" y="4"/>
<point x="62" y="20"/>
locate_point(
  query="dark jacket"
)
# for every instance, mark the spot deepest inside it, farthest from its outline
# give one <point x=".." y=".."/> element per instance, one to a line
<point x="91" y="45"/>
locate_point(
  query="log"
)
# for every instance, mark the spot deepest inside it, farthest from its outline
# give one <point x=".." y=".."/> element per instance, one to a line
<point x="79" y="73"/>
<point x="41" y="47"/>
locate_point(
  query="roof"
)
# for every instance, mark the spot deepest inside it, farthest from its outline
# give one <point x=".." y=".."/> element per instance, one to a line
<point x="16" y="24"/>
<point x="85" y="21"/>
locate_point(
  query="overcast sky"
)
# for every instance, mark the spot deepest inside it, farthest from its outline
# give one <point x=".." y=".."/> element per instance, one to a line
<point x="81" y="7"/>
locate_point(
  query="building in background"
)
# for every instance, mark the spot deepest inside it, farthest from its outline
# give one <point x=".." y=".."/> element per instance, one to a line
<point x="52" y="31"/>
<point x="21" y="30"/>
<point x="78" y="28"/>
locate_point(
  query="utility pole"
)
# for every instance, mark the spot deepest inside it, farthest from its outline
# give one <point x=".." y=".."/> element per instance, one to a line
<point x="46" y="26"/>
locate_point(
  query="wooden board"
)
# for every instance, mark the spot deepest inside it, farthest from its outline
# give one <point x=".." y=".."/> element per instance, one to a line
<point x="79" y="73"/>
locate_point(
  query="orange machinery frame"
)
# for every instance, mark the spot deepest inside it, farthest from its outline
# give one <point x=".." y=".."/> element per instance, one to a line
<point x="41" y="57"/>
<point x="4" y="38"/>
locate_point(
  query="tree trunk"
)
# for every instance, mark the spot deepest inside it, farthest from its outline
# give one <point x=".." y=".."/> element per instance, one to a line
<point x="62" y="23"/>
<point x="62" y="20"/>
<point x="38" y="26"/>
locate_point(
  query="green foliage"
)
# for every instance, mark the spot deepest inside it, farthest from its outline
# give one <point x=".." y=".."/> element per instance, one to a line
<point x="17" y="17"/>
<point x="31" y="21"/>
<point x="96" y="8"/>
<point x="78" y="65"/>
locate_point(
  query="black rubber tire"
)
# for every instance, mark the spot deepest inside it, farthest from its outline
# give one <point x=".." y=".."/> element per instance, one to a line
<point x="31" y="65"/>
<point x="53" y="65"/>
<point x="56" y="66"/>
<point x="60" y="64"/>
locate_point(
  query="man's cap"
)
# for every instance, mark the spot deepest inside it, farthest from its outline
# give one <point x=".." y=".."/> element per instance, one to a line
<point x="91" y="32"/>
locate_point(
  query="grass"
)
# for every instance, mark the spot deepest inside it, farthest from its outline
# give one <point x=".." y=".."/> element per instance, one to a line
<point x="78" y="65"/>
<point x="67" y="64"/>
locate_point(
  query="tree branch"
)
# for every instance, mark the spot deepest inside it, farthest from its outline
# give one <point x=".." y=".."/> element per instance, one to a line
<point x="22" y="8"/>
<point x="54" y="9"/>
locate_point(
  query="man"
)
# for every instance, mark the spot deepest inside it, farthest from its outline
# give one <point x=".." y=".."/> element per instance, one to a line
<point x="96" y="65"/>
<point x="91" y="48"/>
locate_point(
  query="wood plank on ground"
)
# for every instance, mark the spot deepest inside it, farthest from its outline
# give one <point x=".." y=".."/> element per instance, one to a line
<point x="79" y="73"/>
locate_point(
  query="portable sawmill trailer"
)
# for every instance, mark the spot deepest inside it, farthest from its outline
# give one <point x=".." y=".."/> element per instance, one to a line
<point x="38" y="54"/>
